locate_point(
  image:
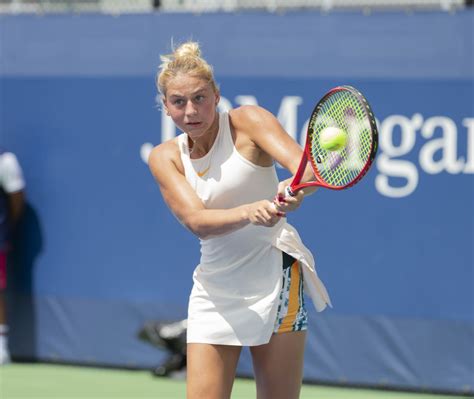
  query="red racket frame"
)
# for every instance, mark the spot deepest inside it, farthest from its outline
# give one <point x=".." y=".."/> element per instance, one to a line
<point x="295" y="185"/>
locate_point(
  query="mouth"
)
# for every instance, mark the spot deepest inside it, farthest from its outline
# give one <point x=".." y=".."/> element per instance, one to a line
<point x="193" y="124"/>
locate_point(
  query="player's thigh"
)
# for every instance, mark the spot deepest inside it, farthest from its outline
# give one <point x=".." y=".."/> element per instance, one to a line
<point x="210" y="370"/>
<point x="278" y="366"/>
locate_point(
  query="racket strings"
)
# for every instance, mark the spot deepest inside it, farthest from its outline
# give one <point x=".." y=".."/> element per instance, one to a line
<point x="344" y="110"/>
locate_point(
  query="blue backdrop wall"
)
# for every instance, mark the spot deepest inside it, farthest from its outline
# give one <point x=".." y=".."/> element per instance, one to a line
<point x="98" y="252"/>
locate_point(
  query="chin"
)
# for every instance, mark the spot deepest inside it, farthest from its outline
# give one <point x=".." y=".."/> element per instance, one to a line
<point x="196" y="132"/>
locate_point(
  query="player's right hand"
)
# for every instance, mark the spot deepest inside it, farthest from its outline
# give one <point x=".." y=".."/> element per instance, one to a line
<point x="264" y="213"/>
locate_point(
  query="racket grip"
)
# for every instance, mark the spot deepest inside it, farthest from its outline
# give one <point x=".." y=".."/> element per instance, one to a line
<point x="289" y="192"/>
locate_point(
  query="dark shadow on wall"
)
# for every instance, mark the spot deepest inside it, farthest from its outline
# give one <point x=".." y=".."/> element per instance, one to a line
<point x="27" y="245"/>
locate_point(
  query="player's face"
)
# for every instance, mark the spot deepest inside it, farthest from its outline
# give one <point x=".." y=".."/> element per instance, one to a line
<point x="191" y="102"/>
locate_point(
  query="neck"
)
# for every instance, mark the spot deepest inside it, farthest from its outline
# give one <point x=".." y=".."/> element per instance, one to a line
<point x="201" y="145"/>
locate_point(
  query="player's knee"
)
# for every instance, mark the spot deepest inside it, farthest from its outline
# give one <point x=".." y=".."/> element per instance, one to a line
<point x="208" y="389"/>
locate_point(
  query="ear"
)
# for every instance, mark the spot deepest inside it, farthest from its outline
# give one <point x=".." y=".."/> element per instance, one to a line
<point x="218" y="98"/>
<point x="163" y="101"/>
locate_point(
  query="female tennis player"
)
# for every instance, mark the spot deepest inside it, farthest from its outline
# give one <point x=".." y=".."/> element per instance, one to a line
<point x="218" y="178"/>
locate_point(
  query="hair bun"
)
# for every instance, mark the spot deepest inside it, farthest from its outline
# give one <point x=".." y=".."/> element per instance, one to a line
<point x="188" y="49"/>
<point x="186" y="59"/>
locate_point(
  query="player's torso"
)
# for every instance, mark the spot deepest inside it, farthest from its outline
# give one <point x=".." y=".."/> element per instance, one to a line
<point x="224" y="178"/>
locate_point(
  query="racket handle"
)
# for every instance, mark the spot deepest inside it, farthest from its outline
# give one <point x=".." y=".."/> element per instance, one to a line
<point x="289" y="192"/>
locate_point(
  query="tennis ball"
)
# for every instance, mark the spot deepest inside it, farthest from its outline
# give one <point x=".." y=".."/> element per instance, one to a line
<point x="332" y="138"/>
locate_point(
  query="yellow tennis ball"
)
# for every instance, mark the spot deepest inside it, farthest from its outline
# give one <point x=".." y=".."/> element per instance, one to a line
<point x="332" y="138"/>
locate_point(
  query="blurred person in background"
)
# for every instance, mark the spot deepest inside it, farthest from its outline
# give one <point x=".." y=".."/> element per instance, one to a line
<point x="12" y="201"/>
<point x="170" y="336"/>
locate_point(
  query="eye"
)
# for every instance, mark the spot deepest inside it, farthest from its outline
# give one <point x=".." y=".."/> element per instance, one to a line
<point x="199" y="98"/>
<point x="178" y="102"/>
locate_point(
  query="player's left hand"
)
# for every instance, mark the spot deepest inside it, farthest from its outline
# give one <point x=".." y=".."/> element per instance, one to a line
<point x="287" y="204"/>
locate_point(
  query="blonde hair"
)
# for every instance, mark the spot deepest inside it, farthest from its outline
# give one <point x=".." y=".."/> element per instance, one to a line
<point x="184" y="59"/>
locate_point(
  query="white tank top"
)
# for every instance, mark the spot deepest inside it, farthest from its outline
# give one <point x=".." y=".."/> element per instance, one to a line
<point x="238" y="279"/>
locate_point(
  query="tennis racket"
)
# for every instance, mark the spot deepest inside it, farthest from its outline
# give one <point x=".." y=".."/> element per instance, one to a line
<point x="344" y="109"/>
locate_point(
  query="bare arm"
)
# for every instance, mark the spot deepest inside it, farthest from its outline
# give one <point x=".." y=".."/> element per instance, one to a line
<point x="265" y="131"/>
<point x="17" y="205"/>
<point x="165" y="165"/>
<point x="13" y="184"/>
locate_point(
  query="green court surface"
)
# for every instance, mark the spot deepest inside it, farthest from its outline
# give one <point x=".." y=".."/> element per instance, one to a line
<point x="48" y="381"/>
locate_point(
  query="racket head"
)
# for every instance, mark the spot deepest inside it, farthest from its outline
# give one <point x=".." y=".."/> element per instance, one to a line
<point x="343" y="107"/>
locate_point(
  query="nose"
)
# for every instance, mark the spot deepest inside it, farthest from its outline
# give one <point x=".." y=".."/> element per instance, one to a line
<point x="190" y="108"/>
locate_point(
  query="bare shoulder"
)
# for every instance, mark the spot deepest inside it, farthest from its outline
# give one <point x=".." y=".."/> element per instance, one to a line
<point x="247" y="117"/>
<point x="163" y="151"/>
<point x="261" y="138"/>
<point x="164" y="156"/>
<point x="254" y="122"/>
